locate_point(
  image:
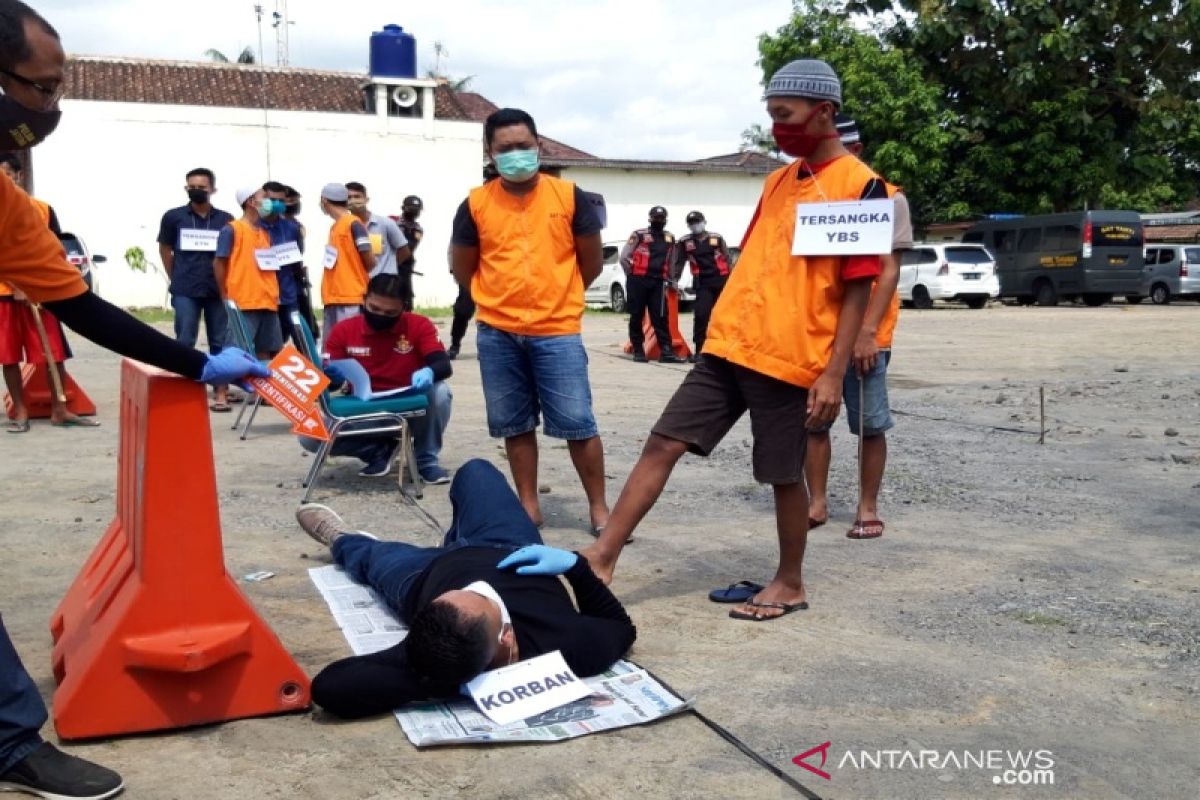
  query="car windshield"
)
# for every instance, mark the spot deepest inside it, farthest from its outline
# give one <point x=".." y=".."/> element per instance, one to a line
<point x="73" y="246"/>
<point x="610" y="254"/>
<point x="1193" y="255"/>
<point x="967" y="255"/>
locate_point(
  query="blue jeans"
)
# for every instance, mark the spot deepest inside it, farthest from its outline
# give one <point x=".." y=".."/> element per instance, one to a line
<point x="187" y="321"/>
<point x="22" y="712"/>
<point x="427" y="433"/>
<point x="486" y="513"/>
<point x="523" y="375"/>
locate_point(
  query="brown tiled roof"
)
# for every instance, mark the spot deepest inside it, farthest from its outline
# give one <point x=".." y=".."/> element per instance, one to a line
<point x="746" y="158"/>
<point x="477" y="107"/>
<point x="200" y="83"/>
<point x="662" y="166"/>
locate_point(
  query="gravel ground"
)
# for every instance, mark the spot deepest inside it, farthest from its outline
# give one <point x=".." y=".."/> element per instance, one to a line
<point x="1025" y="597"/>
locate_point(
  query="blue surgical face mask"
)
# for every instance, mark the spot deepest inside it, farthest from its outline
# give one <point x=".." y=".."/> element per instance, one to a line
<point x="278" y="206"/>
<point x="517" y="166"/>
<point x="266" y="207"/>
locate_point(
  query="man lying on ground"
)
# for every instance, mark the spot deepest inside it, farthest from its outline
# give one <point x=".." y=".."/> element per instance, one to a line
<point x="488" y="597"/>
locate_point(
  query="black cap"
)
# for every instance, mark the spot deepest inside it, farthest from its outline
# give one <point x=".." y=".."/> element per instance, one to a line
<point x="694" y="217"/>
<point x="412" y="201"/>
<point x="658" y="211"/>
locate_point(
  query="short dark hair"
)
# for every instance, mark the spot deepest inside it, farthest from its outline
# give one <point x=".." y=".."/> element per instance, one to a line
<point x="355" y="186"/>
<point x="203" y="172"/>
<point x="446" y="647"/>
<point x="504" y="118"/>
<point x="290" y="193"/>
<point x="274" y="186"/>
<point x="14" y="46"/>
<point x="13" y="161"/>
<point x="386" y="285"/>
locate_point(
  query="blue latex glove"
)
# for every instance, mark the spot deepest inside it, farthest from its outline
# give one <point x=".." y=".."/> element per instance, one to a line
<point x="422" y="378"/>
<point x="335" y="375"/>
<point x="230" y="365"/>
<point x="539" y="559"/>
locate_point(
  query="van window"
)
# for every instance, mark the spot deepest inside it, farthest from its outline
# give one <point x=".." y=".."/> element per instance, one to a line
<point x="967" y="255"/>
<point x="920" y="256"/>
<point x="1152" y="256"/>
<point x="1006" y="241"/>
<point x="1031" y="240"/>
<point x="1166" y="255"/>
<point x="1114" y="234"/>
<point x="610" y="254"/>
<point x="1193" y="255"/>
<point x="1064" y="237"/>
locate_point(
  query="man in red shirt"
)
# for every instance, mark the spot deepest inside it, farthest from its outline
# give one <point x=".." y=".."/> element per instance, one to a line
<point x="397" y="349"/>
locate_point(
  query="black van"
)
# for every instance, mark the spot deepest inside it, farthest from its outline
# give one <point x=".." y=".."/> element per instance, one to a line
<point x="1090" y="255"/>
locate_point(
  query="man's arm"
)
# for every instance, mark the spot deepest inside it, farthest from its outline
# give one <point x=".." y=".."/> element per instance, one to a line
<point x="825" y="396"/>
<point x="464" y="245"/>
<point x="626" y="257"/>
<point x="605" y="632"/>
<point x="166" y="254"/>
<point x="866" y="349"/>
<point x="221" y="273"/>
<point x="589" y="252"/>
<point x="364" y="686"/>
<point x="362" y="242"/>
<point x="166" y="243"/>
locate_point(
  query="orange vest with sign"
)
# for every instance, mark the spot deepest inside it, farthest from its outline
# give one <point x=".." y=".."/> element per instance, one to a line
<point x="887" y="325"/>
<point x="253" y="289"/>
<point x="779" y="312"/>
<point x="639" y="260"/>
<point x="528" y="281"/>
<point x="346" y="283"/>
<point x="43" y="209"/>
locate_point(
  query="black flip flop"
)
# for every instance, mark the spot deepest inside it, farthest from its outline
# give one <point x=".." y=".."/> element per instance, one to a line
<point x="738" y="592"/>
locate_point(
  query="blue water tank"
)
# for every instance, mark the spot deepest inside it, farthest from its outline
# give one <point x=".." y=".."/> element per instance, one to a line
<point x="393" y="53"/>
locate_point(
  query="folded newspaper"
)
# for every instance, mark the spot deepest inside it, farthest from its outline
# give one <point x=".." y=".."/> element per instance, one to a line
<point x="625" y="695"/>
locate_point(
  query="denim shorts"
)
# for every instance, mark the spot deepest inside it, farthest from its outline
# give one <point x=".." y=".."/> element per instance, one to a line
<point x="525" y="375"/>
<point x="877" y="413"/>
<point x="263" y="329"/>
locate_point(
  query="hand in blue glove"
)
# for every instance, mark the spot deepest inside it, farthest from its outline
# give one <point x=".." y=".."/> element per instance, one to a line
<point x="422" y="378"/>
<point x="539" y="559"/>
<point x="230" y="365"/>
<point x="335" y="375"/>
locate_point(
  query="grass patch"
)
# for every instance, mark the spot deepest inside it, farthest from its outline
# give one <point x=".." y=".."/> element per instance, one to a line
<point x="1038" y="618"/>
<point x="151" y="315"/>
<point x="436" y="311"/>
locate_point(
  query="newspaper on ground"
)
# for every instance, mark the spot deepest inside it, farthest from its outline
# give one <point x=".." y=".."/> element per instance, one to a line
<point x="624" y="695"/>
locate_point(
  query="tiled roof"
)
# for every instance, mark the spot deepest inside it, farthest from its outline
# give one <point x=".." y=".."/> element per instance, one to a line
<point x="663" y="166"/>
<point x="746" y="159"/>
<point x="477" y="107"/>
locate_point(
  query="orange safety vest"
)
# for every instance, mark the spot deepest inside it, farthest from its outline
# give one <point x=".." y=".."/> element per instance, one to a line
<point x="778" y="313"/>
<point x="528" y="281"/>
<point x="43" y="209"/>
<point x="253" y="289"/>
<point x="639" y="260"/>
<point x="346" y="283"/>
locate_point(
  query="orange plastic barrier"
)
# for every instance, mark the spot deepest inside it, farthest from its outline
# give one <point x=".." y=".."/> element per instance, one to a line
<point x="35" y="383"/>
<point x="154" y="633"/>
<point x="651" y="347"/>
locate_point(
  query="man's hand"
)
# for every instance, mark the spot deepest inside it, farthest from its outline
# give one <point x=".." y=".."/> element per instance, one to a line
<point x="866" y="352"/>
<point x="539" y="559"/>
<point x="335" y="375"/>
<point x="824" y="400"/>
<point x="19" y="296"/>
<point x="422" y="378"/>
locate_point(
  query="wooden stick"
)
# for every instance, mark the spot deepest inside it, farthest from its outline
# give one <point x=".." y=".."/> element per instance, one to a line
<point x="1042" y="404"/>
<point x="51" y="364"/>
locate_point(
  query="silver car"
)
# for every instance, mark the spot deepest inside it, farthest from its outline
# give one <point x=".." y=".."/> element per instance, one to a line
<point x="1172" y="271"/>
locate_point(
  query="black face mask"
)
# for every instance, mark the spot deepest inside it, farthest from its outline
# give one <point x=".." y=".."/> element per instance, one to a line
<point x="658" y="224"/>
<point x="21" y="127"/>
<point x="293" y="209"/>
<point x="198" y="196"/>
<point x="379" y="322"/>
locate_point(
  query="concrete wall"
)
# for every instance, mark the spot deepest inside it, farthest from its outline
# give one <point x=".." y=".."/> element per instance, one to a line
<point x="112" y="169"/>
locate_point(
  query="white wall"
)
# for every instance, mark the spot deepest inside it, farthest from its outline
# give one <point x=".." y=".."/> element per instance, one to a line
<point x="112" y="169"/>
<point x="726" y="200"/>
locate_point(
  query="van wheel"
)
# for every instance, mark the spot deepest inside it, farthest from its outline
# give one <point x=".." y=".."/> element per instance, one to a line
<point x="1044" y="291"/>
<point x="976" y="302"/>
<point x="1133" y="299"/>
<point x="1160" y="295"/>
<point x="1092" y="300"/>
<point x="921" y="298"/>
<point x="618" y="300"/>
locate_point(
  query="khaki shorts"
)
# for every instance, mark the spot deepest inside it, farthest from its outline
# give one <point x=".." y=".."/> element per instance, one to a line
<point x="713" y="397"/>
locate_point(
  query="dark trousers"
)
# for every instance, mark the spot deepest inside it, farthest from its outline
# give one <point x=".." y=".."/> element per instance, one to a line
<point x="285" y="321"/>
<point x="405" y="273"/>
<point x="486" y="513"/>
<point x="646" y="294"/>
<point x="706" y="297"/>
<point x="464" y="309"/>
<point x="22" y="712"/>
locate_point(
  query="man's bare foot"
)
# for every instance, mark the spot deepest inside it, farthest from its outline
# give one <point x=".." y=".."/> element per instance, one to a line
<point x="779" y="593"/>
<point x="65" y="418"/>
<point x="818" y="513"/>
<point x="601" y="564"/>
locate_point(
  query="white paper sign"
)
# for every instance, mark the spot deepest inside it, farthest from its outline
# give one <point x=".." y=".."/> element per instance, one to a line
<point x="266" y="259"/>
<point x="330" y="256"/>
<point x="526" y="688"/>
<point x="193" y="240"/>
<point x="851" y="228"/>
<point x="287" y="253"/>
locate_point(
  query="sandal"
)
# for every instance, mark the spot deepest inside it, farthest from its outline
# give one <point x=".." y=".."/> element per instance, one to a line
<point x="738" y="592"/>
<point x="786" y="608"/>
<point x="15" y="426"/>
<point x="220" y="408"/>
<point x="865" y="529"/>
<point x="76" y="422"/>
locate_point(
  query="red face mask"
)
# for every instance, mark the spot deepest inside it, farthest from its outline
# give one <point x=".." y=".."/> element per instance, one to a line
<point x="794" y="138"/>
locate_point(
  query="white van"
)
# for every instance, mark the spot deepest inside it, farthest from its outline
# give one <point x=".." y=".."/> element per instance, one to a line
<point x="947" y="271"/>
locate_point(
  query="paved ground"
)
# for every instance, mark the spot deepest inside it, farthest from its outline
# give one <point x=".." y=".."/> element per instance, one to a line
<point x="1024" y="598"/>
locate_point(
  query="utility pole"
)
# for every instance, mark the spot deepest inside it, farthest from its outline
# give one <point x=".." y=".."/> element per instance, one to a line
<point x="258" y="12"/>
<point x="281" y="23"/>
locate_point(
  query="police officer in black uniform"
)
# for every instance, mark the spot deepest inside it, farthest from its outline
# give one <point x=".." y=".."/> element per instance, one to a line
<point x="704" y="251"/>
<point x="647" y="259"/>
<point x="411" y="209"/>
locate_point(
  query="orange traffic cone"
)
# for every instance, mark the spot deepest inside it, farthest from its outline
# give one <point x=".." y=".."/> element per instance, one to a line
<point x="650" y="345"/>
<point x="154" y="633"/>
<point x="35" y="385"/>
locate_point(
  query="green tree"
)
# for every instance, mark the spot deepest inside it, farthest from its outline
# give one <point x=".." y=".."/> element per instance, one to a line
<point x="1060" y="104"/>
<point x="244" y="57"/>
<point x="902" y="114"/>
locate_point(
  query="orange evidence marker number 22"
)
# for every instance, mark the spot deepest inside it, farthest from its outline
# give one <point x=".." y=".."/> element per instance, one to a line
<point x="293" y="388"/>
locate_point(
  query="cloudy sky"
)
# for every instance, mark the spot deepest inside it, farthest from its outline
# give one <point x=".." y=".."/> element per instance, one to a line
<point x="669" y="79"/>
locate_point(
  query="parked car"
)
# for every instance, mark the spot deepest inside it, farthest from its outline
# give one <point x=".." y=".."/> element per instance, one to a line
<point x="79" y="255"/>
<point x="608" y="290"/>
<point x="947" y="271"/>
<point x="1172" y="271"/>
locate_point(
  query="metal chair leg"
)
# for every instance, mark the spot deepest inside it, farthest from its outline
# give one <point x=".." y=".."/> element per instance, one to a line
<point x="241" y="413"/>
<point x="408" y="463"/>
<point x="253" y="411"/>
<point x="310" y="480"/>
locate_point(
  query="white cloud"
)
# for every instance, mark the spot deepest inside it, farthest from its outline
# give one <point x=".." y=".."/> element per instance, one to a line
<point x="619" y="78"/>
